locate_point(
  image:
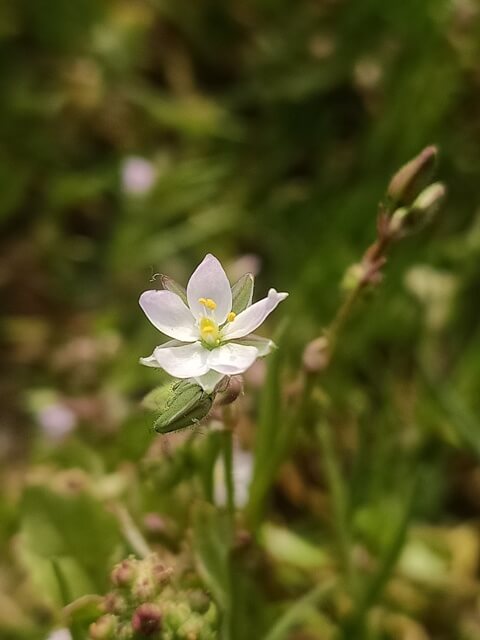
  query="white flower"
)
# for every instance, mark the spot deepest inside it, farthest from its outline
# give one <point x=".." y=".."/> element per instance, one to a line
<point x="242" y="477"/>
<point x="209" y="341"/>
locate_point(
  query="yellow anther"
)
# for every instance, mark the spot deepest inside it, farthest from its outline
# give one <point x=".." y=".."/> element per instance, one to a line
<point x="208" y="329"/>
<point x="208" y="303"/>
<point x="231" y="316"/>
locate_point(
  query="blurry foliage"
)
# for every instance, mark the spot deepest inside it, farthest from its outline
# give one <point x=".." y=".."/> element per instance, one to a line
<point x="269" y="129"/>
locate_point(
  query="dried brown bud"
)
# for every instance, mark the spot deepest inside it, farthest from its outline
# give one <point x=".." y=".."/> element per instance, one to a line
<point x="147" y="619"/>
<point x="316" y="356"/>
<point x="232" y="389"/>
<point x="407" y="183"/>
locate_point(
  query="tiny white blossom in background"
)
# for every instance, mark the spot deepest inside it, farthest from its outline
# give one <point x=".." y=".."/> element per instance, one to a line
<point x="209" y="341"/>
<point x="138" y="176"/>
<point x="56" y="420"/>
<point x="60" y="634"/>
<point x="242" y="476"/>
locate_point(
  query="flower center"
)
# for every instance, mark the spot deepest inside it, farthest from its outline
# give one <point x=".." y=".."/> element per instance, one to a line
<point x="209" y="332"/>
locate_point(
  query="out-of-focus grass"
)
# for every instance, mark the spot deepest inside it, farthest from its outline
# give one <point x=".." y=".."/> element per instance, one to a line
<point x="269" y="132"/>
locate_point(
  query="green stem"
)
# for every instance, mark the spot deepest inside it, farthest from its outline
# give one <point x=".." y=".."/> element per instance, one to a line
<point x="299" y="610"/>
<point x="228" y="468"/>
<point x="131" y="532"/>
<point x="340" y="500"/>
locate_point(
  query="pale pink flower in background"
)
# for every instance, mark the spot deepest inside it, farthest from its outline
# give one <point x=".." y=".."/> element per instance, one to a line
<point x="60" y="634"/>
<point x="248" y="263"/>
<point x="209" y="341"/>
<point x="57" y="420"/>
<point x="138" y="176"/>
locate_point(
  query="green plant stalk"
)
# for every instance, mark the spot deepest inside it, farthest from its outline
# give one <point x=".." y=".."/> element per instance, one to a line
<point x="295" y="614"/>
<point x="340" y="501"/>
<point x="227" y="433"/>
<point x="356" y="627"/>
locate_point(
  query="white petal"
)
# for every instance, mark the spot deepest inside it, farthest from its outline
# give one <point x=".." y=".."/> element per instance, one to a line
<point x="169" y="314"/>
<point x="232" y="358"/>
<point x="209" y="280"/>
<point x="263" y="345"/>
<point x="187" y="361"/>
<point x="253" y="316"/>
<point x="151" y="361"/>
<point x="209" y="381"/>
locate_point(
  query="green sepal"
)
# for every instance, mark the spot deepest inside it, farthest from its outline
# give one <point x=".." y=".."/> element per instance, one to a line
<point x="170" y="285"/>
<point x="242" y="293"/>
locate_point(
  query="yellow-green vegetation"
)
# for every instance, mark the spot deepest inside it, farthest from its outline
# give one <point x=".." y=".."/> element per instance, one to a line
<point x="333" y="492"/>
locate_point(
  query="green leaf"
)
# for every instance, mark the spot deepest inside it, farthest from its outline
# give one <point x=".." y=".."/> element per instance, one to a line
<point x="212" y="538"/>
<point x="272" y="436"/>
<point x="67" y="535"/>
<point x="242" y="293"/>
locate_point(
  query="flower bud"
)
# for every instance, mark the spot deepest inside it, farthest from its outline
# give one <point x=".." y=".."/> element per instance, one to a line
<point x="123" y="574"/>
<point x="104" y="628"/>
<point x="114" y="603"/>
<point x="187" y="405"/>
<point x="147" y="619"/>
<point x="316" y="355"/>
<point x="430" y="199"/>
<point x="420" y="213"/>
<point x="407" y="183"/>
<point x="232" y="389"/>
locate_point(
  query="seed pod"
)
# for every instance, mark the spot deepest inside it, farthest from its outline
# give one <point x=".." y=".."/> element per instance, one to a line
<point x="187" y="404"/>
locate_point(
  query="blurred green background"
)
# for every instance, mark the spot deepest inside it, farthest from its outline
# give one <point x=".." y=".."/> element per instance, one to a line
<point x="138" y="135"/>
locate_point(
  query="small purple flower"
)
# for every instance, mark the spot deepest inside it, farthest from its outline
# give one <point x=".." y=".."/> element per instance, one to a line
<point x="57" y="420"/>
<point x="60" y="634"/>
<point x="138" y="176"/>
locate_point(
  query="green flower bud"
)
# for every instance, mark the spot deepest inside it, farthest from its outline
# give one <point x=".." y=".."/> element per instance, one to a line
<point x="409" y="220"/>
<point x="242" y="293"/>
<point x="407" y="183"/>
<point x="187" y="404"/>
<point x="104" y="628"/>
<point x="429" y="201"/>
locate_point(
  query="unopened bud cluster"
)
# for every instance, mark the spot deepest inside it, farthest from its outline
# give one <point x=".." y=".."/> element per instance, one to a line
<point x="413" y="200"/>
<point x="146" y="603"/>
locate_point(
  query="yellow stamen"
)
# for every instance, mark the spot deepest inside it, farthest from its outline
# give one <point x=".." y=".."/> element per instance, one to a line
<point x="208" y="303"/>
<point x="231" y="316"/>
